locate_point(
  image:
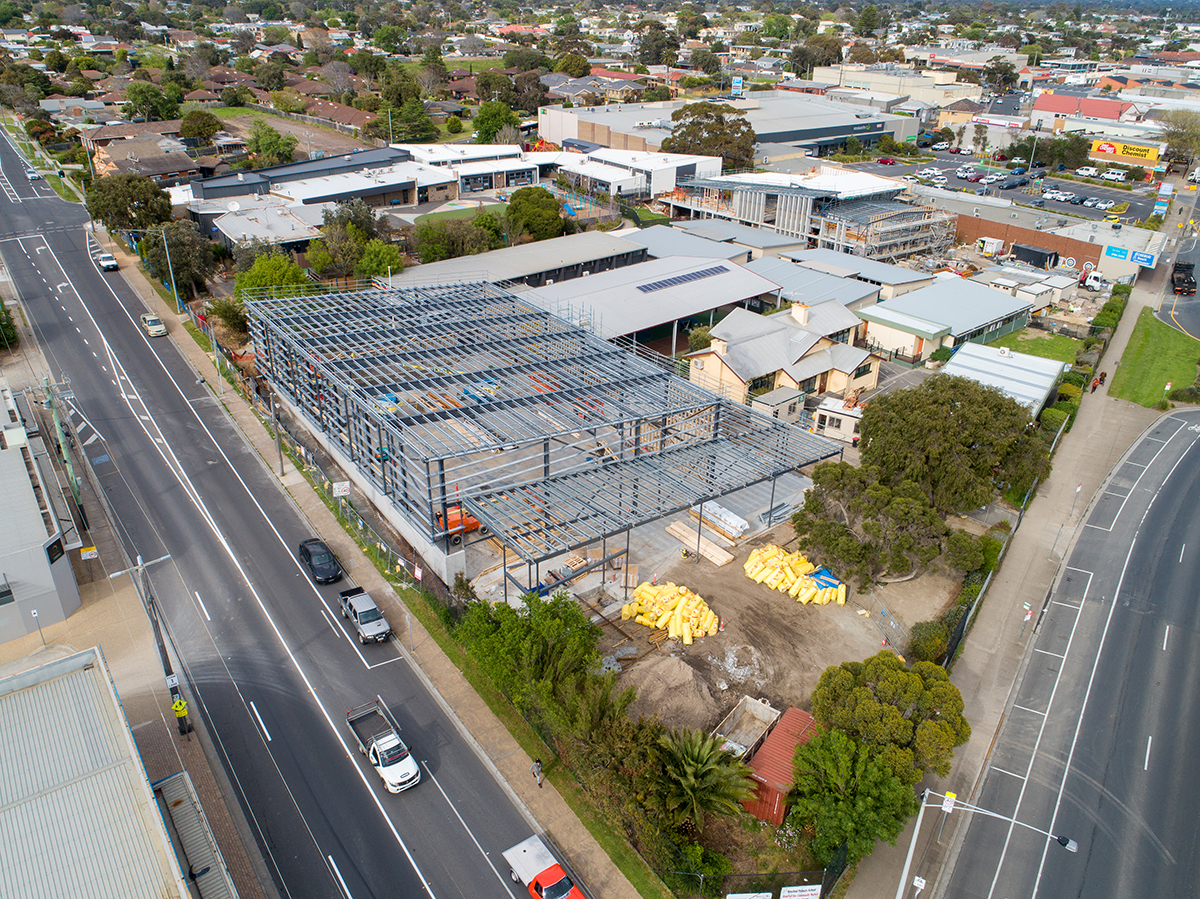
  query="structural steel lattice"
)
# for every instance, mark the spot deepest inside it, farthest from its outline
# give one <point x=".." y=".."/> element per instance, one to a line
<point x="466" y="395"/>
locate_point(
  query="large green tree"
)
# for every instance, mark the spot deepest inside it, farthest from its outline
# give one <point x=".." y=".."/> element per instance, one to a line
<point x="712" y="129"/>
<point x="492" y="116"/>
<point x="411" y="124"/>
<point x="270" y="269"/>
<point x="868" y="21"/>
<point x="379" y="260"/>
<point x="700" y="778"/>
<point x="191" y="260"/>
<point x="267" y="146"/>
<point x="956" y="438"/>
<point x="148" y="101"/>
<point x="199" y="123"/>
<point x="450" y="238"/>
<point x="655" y="45"/>
<point x="345" y="233"/>
<point x="847" y="796"/>
<point x="536" y="212"/>
<point x="911" y="720"/>
<point x="9" y="338"/>
<point x="1181" y="130"/>
<point x="127" y="203"/>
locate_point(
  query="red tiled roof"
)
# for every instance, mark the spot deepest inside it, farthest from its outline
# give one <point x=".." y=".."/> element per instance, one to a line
<point x="1092" y="107"/>
<point x="613" y="73"/>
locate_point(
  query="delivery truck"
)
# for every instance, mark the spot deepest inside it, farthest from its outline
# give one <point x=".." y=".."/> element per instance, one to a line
<point x="531" y="865"/>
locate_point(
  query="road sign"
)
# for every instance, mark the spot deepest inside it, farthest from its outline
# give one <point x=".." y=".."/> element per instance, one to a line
<point x="1027" y="606"/>
<point x="172" y="681"/>
<point x="89" y="552"/>
<point x="417" y="572"/>
<point x="802" y="891"/>
<point x="341" y="488"/>
<point x="919" y="883"/>
<point x="948" y="802"/>
<point x="1028" y="614"/>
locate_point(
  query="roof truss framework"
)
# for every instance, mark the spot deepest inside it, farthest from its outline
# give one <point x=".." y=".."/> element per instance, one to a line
<point x="550" y="436"/>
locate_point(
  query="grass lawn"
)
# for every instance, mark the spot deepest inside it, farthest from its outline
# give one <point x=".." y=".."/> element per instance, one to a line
<point x="1157" y="354"/>
<point x="466" y="212"/>
<point x="1041" y="343"/>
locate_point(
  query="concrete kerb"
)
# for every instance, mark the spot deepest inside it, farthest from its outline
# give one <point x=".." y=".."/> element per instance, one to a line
<point x="253" y="431"/>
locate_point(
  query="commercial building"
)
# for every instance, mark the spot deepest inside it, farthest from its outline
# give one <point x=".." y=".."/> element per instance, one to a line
<point x="632" y="173"/>
<point x="892" y="280"/>
<point x="800" y="284"/>
<point x="37" y="530"/>
<point x="758" y="242"/>
<point x="661" y="241"/>
<point x="939" y="87"/>
<point x="1027" y="379"/>
<point x="778" y="117"/>
<point x="830" y="208"/>
<point x="468" y="397"/>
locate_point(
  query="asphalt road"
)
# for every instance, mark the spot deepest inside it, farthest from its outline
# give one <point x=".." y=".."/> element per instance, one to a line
<point x="1141" y="205"/>
<point x="1098" y="744"/>
<point x="269" y="664"/>
<point x="1180" y="311"/>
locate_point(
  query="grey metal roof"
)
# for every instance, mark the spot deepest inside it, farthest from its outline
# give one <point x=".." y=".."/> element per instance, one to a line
<point x="722" y="229"/>
<point x="847" y="266"/>
<point x="80" y="820"/>
<point x="1027" y="379"/>
<point x="631" y="299"/>
<point x="960" y="304"/>
<point x="807" y="285"/>
<point x="757" y="345"/>
<point x="23" y="525"/>
<point x="516" y="263"/>
<point x="884" y="314"/>
<point x="664" y="240"/>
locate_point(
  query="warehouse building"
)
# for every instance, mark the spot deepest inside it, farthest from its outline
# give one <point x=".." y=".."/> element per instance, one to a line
<point x="467" y="398"/>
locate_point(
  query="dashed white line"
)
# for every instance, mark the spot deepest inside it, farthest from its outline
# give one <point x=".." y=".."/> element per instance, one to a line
<point x="254" y="709"/>
<point x="338" y="875"/>
<point x="1166" y="634"/>
<point x="1181" y="549"/>
<point x="1146" y="766"/>
<point x="202" y="608"/>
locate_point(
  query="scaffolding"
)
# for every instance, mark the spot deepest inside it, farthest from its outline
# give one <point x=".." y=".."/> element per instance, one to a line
<point x="465" y="398"/>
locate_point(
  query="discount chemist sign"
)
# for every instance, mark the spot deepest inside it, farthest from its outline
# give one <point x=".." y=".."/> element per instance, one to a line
<point x="1115" y="151"/>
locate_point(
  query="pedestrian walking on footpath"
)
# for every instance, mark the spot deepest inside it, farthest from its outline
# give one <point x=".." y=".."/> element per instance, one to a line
<point x="536" y="770"/>
<point x="1095" y="384"/>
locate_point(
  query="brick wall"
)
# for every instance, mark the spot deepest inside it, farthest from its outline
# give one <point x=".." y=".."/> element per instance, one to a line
<point x="971" y="228"/>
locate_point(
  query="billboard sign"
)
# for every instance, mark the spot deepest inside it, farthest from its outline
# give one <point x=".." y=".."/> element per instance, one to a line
<point x="1130" y="154"/>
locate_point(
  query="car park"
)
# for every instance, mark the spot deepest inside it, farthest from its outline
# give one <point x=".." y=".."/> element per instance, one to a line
<point x="1106" y="204"/>
<point x="323" y="566"/>
<point x="153" y="325"/>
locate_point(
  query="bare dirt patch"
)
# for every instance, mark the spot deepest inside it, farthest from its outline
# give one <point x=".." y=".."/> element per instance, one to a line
<point x="771" y="647"/>
<point x="308" y="136"/>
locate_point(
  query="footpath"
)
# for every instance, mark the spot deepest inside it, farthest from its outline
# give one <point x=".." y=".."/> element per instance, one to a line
<point x="113" y="618"/>
<point x="995" y="649"/>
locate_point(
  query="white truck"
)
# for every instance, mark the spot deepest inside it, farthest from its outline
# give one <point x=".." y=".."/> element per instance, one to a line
<point x="531" y="865"/>
<point x="378" y="737"/>
<point x="368" y="621"/>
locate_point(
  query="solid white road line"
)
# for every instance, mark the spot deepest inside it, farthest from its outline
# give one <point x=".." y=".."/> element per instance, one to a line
<point x="202" y="608"/>
<point x="1166" y="634"/>
<point x="254" y="709"/>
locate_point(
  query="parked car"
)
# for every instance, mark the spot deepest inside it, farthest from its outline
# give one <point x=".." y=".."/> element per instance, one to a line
<point x="323" y="566"/>
<point x="1039" y="203"/>
<point x="1020" y="170"/>
<point x="941" y="145"/>
<point x="886" y="160"/>
<point x="1106" y="204"/>
<point x="1113" y="175"/>
<point x="153" y="325"/>
<point x="974" y="177"/>
<point x="1012" y="183"/>
<point x="994" y="177"/>
<point x="1078" y="200"/>
<point x="911" y="179"/>
<point x="107" y="262"/>
<point x="1088" y="171"/>
<point x="1091" y="202"/>
<point x="1000" y="157"/>
<point x="954" y="150"/>
<point x="1039" y="165"/>
<point x="1065" y="196"/>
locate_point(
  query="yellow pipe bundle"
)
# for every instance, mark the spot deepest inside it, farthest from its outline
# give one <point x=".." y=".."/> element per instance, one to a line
<point x="789" y="573"/>
<point x="675" y="609"/>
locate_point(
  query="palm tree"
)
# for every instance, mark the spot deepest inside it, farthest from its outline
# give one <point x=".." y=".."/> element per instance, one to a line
<point x="699" y="778"/>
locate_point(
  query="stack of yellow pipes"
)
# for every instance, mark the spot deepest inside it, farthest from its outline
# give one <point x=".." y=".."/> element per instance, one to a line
<point x="789" y="573"/>
<point x="678" y="609"/>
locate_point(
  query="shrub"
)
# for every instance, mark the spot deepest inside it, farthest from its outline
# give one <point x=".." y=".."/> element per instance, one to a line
<point x="1052" y="420"/>
<point x="969" y="593"/>
<point x="991" y="553"/>
<point x="454" y="125"/>
<point x="699" y="338"/>
<point x="1073" y="377"/>
<point x="1069" y="391"/>
<point x="1084" y="369"/>
<point x="941" y="354"/>
<point x="231" y="312"/>
<point x="1104" y="320"/>
<point x="963" y="551"/>
<point x="928" y="641"/>
<point x="1122" y="291"/>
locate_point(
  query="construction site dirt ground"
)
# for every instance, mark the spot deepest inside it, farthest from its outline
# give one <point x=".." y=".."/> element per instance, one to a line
<point x="771" y="647"/>
<point x="308" y="137"/>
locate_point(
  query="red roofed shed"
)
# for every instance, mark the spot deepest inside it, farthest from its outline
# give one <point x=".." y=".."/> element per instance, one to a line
<point x="771" y="766"/>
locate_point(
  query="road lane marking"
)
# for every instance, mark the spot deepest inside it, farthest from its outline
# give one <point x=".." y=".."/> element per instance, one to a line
<point x="332" y="624"/>
<point x="1133" y="487"/>
<point x="1181" y="549"/>
<point x="1059" y="602"/>
<point x="1146" y="767"/>
<point x="1087" y="694"/>
<point x="254" y="709"/>
<point x="1009" y="773"/>
<point x="1166" y="634"/>
<point x="1031" y="711"/>
<point x="338" y="874"/>
<point x="1047" y="652"/>
<point x="436" y="783"/>
<point x="202" y="608"/>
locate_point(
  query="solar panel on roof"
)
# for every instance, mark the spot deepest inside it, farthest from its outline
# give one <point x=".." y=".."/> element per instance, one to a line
<point x="652" y="286"/>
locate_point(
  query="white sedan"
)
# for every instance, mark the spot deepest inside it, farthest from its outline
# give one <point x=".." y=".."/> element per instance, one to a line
<point x="1106" y="204"/>
<point x="994" y="177"/>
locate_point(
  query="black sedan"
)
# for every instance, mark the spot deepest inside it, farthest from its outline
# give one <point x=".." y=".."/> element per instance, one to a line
<point x="322" y="564"/>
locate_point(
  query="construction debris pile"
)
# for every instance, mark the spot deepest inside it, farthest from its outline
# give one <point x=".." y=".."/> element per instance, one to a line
<point x="678" y="609"/>
<point x="793" y="574"/>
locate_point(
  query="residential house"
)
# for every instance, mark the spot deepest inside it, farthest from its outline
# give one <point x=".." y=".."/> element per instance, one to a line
<point x="102" y="137"/>
<point x="960" y="112"/>
<point x="806" y="348"/>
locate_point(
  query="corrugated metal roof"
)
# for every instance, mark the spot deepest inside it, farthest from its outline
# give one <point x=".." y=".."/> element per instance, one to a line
<point x="663" y="240"/>
<point x="773" y="763"/>
<point x="836" y="263"/>
<point x="1027" y="379"/>
<point x="73" y="793"/>
<point x="960" y="304"/>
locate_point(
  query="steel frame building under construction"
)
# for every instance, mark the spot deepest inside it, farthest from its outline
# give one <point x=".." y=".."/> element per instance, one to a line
<point x="462" y="398"/>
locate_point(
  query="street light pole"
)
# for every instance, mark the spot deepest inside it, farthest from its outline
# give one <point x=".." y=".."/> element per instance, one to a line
<point x="949" y="803"/>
